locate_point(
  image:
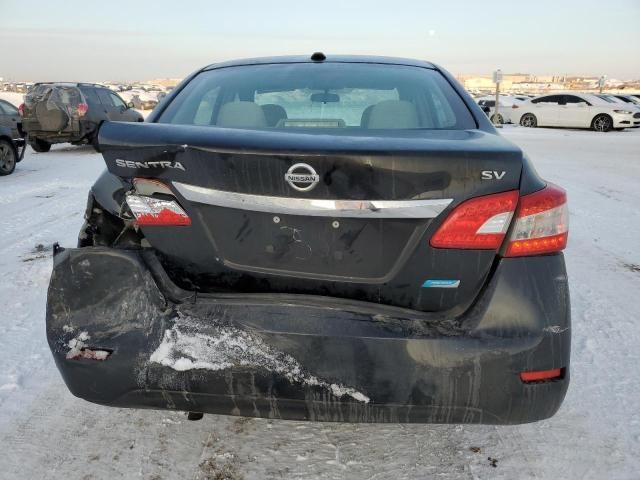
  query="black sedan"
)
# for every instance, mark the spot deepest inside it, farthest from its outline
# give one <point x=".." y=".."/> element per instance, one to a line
<point x="317" y="238"/>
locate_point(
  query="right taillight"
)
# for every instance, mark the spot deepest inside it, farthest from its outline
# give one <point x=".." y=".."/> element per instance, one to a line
<point x="21" y="109"/>
<point x="541" y="223"/>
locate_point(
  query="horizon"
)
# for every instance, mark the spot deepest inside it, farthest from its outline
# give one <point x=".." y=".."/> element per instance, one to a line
<point x="573" y="39"/>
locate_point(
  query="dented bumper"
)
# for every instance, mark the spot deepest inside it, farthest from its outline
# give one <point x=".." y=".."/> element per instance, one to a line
<point x="122" y="334"/>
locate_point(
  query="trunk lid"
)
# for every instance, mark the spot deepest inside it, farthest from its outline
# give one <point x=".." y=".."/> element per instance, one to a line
<point x="336" y="214"/>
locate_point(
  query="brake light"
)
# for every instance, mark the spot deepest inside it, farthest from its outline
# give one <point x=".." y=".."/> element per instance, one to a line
<point x="82" y="109"/>
<point x="479" y="223"/>
<point x="150" y="211"/>
<point x="542" y="223"/>
<point x="21" y="109"/>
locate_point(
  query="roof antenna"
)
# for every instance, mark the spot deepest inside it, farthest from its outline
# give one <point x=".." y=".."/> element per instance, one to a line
<point x="318" y="57"/>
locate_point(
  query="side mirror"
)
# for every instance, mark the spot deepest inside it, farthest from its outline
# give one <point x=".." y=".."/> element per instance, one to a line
<point x="130" y="105"/>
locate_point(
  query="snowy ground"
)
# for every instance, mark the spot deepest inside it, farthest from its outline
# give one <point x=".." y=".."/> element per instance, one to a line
<point x="47" y="433"/>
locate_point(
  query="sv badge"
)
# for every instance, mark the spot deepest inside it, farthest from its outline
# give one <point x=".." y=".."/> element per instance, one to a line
<point x="492" y="175"/>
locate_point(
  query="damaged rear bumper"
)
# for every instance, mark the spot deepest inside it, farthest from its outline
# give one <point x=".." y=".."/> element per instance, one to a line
<point x="122" y="334"/>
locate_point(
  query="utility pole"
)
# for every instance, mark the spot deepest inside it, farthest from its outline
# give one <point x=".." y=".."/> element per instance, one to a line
<point x="497" y="78"/>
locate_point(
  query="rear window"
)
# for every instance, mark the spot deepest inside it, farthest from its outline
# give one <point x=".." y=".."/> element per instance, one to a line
<point x="356" y="96"/>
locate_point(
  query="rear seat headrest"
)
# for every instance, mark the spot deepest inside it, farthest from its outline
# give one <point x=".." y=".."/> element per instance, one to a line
<point x="241" y="115"/>
<point x="274" y="113"/>
<point x="393" y="114"/>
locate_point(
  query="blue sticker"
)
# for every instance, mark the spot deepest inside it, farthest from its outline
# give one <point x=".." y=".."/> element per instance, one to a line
<point x="441" y="284"/>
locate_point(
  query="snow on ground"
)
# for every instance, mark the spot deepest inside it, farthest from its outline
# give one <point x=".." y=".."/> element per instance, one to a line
<point x="47" y="433"/>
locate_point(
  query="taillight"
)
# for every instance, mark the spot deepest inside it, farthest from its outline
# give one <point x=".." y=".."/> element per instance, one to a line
<point x="479" y="223"/>
<point x="21" y="109"/>
<point x="150" y="211"/>
<point x="542" y="223"/>
<point x="82" y="109"/>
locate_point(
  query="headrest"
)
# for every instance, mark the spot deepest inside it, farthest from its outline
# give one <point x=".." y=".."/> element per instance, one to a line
<point x="393" y="114"/>
<point x="274" y="113"/>
<point x="241" y="115"/>
<point x="366" y="115"/>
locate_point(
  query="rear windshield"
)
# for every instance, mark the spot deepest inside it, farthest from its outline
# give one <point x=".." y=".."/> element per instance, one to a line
<point x="356" y="96"/>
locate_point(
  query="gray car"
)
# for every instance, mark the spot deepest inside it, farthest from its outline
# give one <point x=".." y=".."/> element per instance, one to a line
<point x="10" y="118"/>
<point x="71" y="112"/>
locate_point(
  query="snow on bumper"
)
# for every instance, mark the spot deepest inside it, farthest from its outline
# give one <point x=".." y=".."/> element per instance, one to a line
<point x="302" y="357"/>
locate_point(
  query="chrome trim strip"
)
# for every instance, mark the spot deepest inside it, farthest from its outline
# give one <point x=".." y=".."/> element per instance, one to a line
<point x="314" y="207"/>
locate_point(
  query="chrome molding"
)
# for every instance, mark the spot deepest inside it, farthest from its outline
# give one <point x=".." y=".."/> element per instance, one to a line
<point x="314" y="207"/>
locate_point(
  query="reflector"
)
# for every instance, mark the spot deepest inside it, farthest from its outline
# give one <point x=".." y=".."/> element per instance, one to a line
<point x="541" y="375"/>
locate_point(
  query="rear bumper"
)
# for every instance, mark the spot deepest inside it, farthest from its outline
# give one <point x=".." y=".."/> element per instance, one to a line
<point x="80" y="130"/>
<point x="303" y="357"/>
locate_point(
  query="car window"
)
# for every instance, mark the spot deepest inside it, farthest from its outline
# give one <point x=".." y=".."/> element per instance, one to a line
<point x="2" y="110"/>
<point x="90" y="95"/>
<point x="204" y="113"/>
<point x="574" y="100"/>
<point x="117" y="101"/>
<point x="329" y="95"/>
<point x="551" y="99"/>
<point x="299" y="104"/>
<point x="105" y="97"/>
<point x="607" y="98"/>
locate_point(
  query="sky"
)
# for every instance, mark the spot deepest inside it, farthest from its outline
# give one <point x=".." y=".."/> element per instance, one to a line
<point x="136" y="40"/>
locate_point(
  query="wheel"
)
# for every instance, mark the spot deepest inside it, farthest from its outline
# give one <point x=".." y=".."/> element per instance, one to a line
<point x="40" y="145"/>
<point x="7" y="158"/>
<point x="529" y="120"/>
<point x="497" y="119"/>
<point x="602" y="123"/>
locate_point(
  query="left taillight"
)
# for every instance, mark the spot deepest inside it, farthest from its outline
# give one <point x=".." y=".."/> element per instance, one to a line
<point x="151" y="211"/>
<point x="477" y="224"/>
<point x="82" y="109"/>
<point x="541" y="223"/>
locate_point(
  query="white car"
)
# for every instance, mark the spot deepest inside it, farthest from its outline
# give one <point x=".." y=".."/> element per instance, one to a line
<point x="576" y="110"/>
<point x="635" y="108"/>
<point x="505" y="110"/>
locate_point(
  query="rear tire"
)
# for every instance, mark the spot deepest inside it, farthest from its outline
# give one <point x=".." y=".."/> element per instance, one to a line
<point x="40" y="146"/>
<point x="529" y="120"/>
<point x="602" y="123"/>
<point x="8" y="157"/>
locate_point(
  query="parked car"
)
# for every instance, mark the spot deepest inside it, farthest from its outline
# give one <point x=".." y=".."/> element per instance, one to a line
<point x="141" y="99"/>
<point x="628" y="99"/>
<point x="575" y="110"/>
<point x="507" y="104"/>
<point x="10" y="118"/>
<point x="11" y="150"/>
<point x="325" y="238"/>
<point x="71" y="112"/>
<point x="632" y="107"/>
